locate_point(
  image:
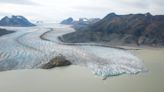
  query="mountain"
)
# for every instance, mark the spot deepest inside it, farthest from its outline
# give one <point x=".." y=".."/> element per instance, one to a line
<point x="68" y="21"/>
<point x="81" y="21"/>
<point x="140" y="29"/>
<point x="19" y="21"/>
<point x="4" y="31"/>
<point x="86" y="21"/>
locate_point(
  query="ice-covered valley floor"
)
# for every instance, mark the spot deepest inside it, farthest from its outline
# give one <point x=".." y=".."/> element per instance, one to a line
<point x="31" y="47"/>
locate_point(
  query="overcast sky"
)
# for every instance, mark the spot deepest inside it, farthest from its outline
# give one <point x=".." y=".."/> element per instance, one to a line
<point x="56" y="10"/>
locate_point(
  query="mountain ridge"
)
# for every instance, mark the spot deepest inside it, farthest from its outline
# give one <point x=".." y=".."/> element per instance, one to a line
<point x="140" y="29"/>
<point x="18" y="21"/>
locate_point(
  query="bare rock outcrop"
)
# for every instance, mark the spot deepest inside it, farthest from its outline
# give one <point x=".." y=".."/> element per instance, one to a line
<point x="58" y="61"/>
<point x="139" y="29"/>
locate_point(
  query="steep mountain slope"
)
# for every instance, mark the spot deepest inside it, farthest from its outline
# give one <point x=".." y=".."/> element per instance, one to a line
<point x="67" y="21"/>
<point x="122" y="29"/>
<point x="15" y="21"/>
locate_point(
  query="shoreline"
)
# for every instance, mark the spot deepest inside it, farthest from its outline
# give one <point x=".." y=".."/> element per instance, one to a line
<point x="75" y="78"/>
<point x="87" y="44"/>
<point x="117" y="46"/>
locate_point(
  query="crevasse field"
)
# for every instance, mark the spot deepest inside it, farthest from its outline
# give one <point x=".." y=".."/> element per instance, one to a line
<point x="31" y="47"/>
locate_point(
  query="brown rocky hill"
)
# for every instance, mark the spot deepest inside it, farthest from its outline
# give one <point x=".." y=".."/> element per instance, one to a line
<point x="140" y="29"/>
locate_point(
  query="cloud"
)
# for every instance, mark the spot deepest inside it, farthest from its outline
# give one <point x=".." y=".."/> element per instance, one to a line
<point x="24" y="2"/>
<point x="143" y="4"/>
<point x="134" y="3"/>
<point x="51" y="10"/>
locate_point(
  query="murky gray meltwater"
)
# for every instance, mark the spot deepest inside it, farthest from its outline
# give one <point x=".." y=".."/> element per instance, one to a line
<point x="25" y="49"/>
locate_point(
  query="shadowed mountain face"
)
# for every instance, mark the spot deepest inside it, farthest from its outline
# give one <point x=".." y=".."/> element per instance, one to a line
<point x="4" y="31"/>
<point x="18" y="21"/>
<point x="122" y="29"/>
<point x="67" y="21"/>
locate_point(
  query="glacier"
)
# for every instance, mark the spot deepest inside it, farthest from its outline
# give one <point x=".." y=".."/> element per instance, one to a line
<point x="31" y="47"/>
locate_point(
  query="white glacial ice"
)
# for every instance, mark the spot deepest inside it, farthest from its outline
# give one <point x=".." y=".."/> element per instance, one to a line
<point x="24" y="49"/>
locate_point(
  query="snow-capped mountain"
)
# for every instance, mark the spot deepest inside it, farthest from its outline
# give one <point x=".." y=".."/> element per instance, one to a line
<point x="18" y="21"/>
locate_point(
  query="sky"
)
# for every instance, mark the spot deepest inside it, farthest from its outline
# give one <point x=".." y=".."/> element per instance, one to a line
<point x="57" y="10"/>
